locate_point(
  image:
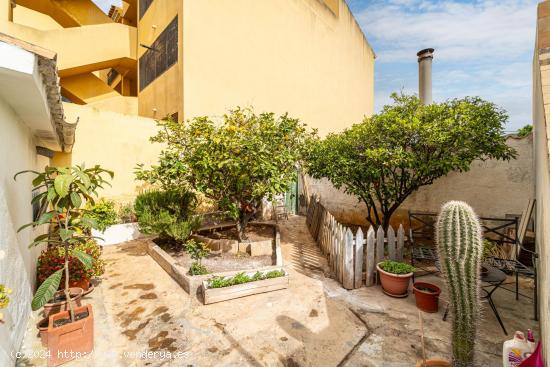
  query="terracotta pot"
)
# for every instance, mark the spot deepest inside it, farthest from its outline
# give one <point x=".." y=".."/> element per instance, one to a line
<point x="51" y="308"/>
<point x="72" y="339"/>
<point x="433" y="363"/>
<point x="426" y="301"/>
<point x="42" y="327"/>
<point x="394" y="285"/>
<point x="83" y="283"/>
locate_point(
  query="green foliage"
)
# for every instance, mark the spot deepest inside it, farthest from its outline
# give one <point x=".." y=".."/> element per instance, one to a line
<point x="460" y="249"/>
<point x="4" y="297"/>
<point x="102" y="214"/>
<point x="85" y="261"/>
<point x="396" y="267"/>
<point x="126" y="213"/>
<point x="167" y="213"/>
<point x="240" y="278"/>
<point x="197" y="269"/>
<point x="236" y="162"/>
<point x="196" y="249"/>
<point x="63" y="191"/>
<point x="407" y="145"/>
<point x="526" y="130"/>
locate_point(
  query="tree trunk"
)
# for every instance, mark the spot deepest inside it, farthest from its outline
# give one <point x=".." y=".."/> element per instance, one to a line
<point x="242" y="224"/>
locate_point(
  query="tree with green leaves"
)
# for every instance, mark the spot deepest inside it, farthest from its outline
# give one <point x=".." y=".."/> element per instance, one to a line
<point x="63" y="191"/>
<point x="236" y="162"/>
<point x="408" y="145"/>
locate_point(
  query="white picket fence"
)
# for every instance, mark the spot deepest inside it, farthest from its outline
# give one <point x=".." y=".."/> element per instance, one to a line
<point x="352" y="258"/>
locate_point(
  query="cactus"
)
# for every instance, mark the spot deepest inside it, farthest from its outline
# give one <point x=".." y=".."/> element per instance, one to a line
<point x="460" y="249"/>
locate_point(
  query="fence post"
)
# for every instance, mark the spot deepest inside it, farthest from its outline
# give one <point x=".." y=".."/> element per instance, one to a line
<point x="359" y="258"/>
<point x="348" y="268"/>
<point x="391" y="243"/>
<point x="379" y="244"/>
<point x="400" y="242"/>
<point x="370" y="257"/>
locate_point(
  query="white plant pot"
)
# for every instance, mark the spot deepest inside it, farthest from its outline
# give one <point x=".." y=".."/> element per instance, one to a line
<point x="117" y="233"/>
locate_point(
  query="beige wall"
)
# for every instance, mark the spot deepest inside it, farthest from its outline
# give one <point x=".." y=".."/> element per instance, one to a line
<point x="493" y="188"/>
<point x="541" y="116"/>
<point x="17" y="262"/>
<point x="292" y="56"/>
<point x="34" y="19"/>
<point x="115" y="141"/>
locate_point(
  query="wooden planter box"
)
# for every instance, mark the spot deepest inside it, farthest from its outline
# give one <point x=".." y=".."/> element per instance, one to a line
<point x="213" y="295"/>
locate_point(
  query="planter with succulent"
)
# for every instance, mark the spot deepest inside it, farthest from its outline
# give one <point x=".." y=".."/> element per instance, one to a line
<point x="63" y="191"/>
<point x="395" y="277"/>
<point x="52" y="259"/>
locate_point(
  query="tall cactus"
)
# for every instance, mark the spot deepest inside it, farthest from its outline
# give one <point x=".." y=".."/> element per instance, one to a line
<point x="460" y="249"/>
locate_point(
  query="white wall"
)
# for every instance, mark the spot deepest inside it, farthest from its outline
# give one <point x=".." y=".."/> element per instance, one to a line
<point x="17" y="262"/>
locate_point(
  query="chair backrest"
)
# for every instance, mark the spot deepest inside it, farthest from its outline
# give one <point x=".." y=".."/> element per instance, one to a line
<point x="422" y="225"/>
<point x="524" y="221"/>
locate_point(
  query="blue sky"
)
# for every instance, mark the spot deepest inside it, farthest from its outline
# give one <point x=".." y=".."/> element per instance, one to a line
<point x="483" y="48"/>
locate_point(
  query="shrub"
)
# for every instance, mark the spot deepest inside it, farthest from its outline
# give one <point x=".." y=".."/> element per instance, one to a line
<point x="396" y="267"/>
<point x="197" y="269"/>
<point x="526" y="130"/>
<point x="126" y="213"/>
<point x="102" y="214"/>
<point x="197" y="251"/>
<point x="52" y="259"/>
<point x="167" y="213"/>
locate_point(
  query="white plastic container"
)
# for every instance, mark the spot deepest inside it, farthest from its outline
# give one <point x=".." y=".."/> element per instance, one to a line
<point x="514" y="350"/>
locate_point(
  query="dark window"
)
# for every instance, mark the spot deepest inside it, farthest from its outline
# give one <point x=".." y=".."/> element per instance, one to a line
<point x="163" y="53"/>
<point x="143" y="6"/>
<point x="111" y="76"/>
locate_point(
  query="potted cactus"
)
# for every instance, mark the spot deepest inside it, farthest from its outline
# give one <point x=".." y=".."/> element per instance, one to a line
<point x="460" y="248"/>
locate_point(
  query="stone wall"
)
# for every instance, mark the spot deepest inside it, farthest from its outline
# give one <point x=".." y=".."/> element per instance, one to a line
<point x="493" y="188"/>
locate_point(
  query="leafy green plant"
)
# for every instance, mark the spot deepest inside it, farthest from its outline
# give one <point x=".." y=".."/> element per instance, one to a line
<point x="526" y="130"/>
<point x="396" y="267"/>
<point x="460" y="249"/>
<point x="197" y="250"/>
<point x="236" y="162"/>
<point x="241" y="278"/>
<point x="4" y="298"/>
<point x="102" y="213"/>
<point x="408" y="145"/>
<point x="52" y="259"/>
<point x="126" y="213"/>
<point x="64" y="190"/>
<point x="167" y="213"/>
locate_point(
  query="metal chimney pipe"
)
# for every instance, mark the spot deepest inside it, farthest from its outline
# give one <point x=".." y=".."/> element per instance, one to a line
<point x="425" y="58"/>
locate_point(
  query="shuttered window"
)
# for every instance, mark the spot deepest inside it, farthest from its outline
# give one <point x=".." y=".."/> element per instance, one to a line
<point x="163" y="53"/>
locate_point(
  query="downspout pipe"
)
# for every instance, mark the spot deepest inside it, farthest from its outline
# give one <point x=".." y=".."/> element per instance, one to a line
<point x="425" y="58"/>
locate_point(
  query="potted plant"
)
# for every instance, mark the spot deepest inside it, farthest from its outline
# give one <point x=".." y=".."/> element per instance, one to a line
<point x="458" y="232"/>
<point x="62" y="192"/>
<point x="426" y="296"/>
<point x="52" y="259"/>
<point x="395" y="277"/>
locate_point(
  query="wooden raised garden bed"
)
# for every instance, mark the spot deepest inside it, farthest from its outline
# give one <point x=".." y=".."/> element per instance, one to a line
<point x="213" y="295"/>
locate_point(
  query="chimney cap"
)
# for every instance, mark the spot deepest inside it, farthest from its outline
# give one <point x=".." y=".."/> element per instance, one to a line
<point x="427" y="52"/>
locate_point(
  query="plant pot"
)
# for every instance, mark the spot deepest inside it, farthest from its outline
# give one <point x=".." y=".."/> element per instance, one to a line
<point x="42" y="327"/>
<point x="394" y="285"/>
<point x="427" y="301"/>
<point x="72" y="339"/>
<point x="433" y="363"/>
<point x="55" y="307"/>
<point x="83" y="283"/>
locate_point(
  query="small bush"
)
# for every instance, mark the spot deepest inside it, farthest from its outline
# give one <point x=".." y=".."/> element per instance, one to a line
<point x="53" y="258"/>
<point x="167" y="213"/>
<point x="197" y="269"/>
<point x="126" y="213"/>
<point x="526" y="130"/>
<point x="102" y="214"/>
<point x="240" y="278"/>
<point x="396" y="267"/>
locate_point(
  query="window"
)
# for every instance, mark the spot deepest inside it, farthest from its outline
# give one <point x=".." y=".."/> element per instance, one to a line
<point x="161" y="55"/>
<point x="143" y="6"/>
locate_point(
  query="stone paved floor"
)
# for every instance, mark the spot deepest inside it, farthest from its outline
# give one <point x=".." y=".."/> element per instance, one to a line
<point x="139" y="308"/>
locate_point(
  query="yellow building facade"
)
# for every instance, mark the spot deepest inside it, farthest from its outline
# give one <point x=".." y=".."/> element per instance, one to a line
<point x="148" y="59"/>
